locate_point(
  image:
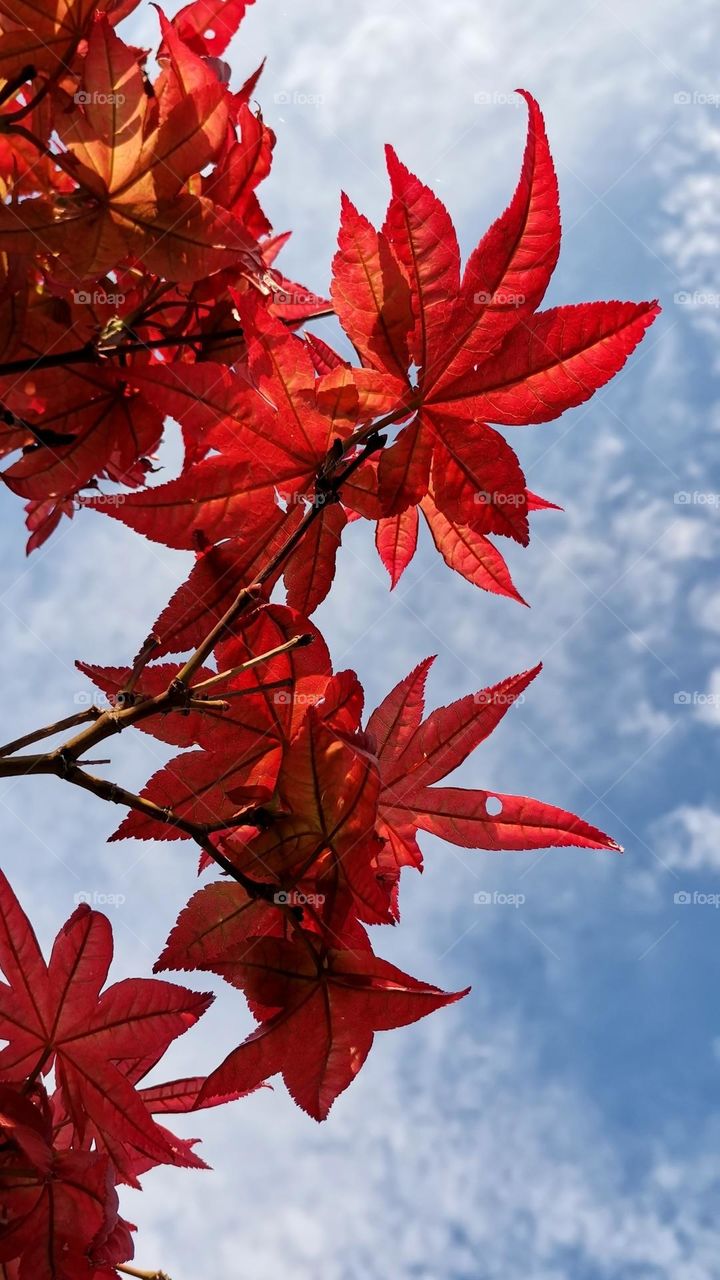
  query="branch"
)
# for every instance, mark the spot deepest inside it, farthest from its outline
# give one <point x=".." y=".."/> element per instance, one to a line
<point x="90" y="354"/>
<point x="64" y="762"/>
<point x="297" y="642"/>
<point x="69" y="722"/>
<point x="42" y="435"/>
<point x="58" y="765"/>
<point x="332" y="479"/>
<point x="139" y="664"/>
<point x="115" y="794"/>
<point x="61" y="69"/>
<point x="113" y="720"/>
<point x="143" y="1275"/>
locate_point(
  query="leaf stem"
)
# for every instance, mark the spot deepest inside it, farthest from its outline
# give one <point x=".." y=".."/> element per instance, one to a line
<point x="139" y="664"/>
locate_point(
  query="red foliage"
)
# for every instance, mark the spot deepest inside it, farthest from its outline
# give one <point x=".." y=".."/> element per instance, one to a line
<point x="138" y="282"/>
<point x="62" y="1154"/>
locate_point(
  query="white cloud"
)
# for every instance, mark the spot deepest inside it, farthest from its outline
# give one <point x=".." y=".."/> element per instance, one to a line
<point x="690" y="234"/>
<point x="708" y="701"/>
<point x="705" y="606"/>
<point x="462" y="1161"/>
<point x="689" y="838"/>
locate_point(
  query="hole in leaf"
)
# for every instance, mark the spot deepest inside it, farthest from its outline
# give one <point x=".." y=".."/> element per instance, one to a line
<point x="494" y="806"/>
<point x="209" y="34"/>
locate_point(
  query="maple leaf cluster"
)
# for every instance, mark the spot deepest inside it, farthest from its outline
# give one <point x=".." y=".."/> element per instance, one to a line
<point x="315" y="815"/>
<point x="130" y="212"/>
<point x="138" y="284"/>
<point x="64" y="1150"/>
<point x="137" y="258"/>
<point x="443" y="353"/>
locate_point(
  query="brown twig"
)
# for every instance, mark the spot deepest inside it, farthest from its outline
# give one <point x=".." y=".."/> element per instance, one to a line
<point x="333" y="479"/>
<point x="63" y="66"/>
<point x="69" y="722"/>
<point x="58" y="765"/>
<point x="89" y="354"/>
<point x="139" y="664"/>
<point x="297" y="642"/>
<point x="115" y="719"/>
<point x="142" y="1275"/>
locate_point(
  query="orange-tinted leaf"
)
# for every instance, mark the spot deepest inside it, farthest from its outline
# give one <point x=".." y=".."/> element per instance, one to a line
<point x="207" y="26"/>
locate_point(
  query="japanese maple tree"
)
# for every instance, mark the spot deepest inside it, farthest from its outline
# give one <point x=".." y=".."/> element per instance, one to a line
<point x="140" y="292"/>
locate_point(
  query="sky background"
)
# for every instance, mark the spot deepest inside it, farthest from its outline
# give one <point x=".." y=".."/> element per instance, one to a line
<point x="562" y="1122"/>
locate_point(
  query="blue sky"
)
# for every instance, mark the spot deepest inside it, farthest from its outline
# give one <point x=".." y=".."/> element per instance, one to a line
<point x="562" y="1122"/>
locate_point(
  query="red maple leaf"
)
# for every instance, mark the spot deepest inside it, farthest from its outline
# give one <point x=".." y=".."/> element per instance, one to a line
<point x="324" y="1008"/>
<point x="54" y="1015"/>
<point x="207" y="26"/>
<point x="59" y="1208"/>
<point x="471" y="350"/>
<point x="444" y="353"/>
<point x="325" y="825"/>
<point x="415" y="753"/>
<point x="269" y="438"/>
